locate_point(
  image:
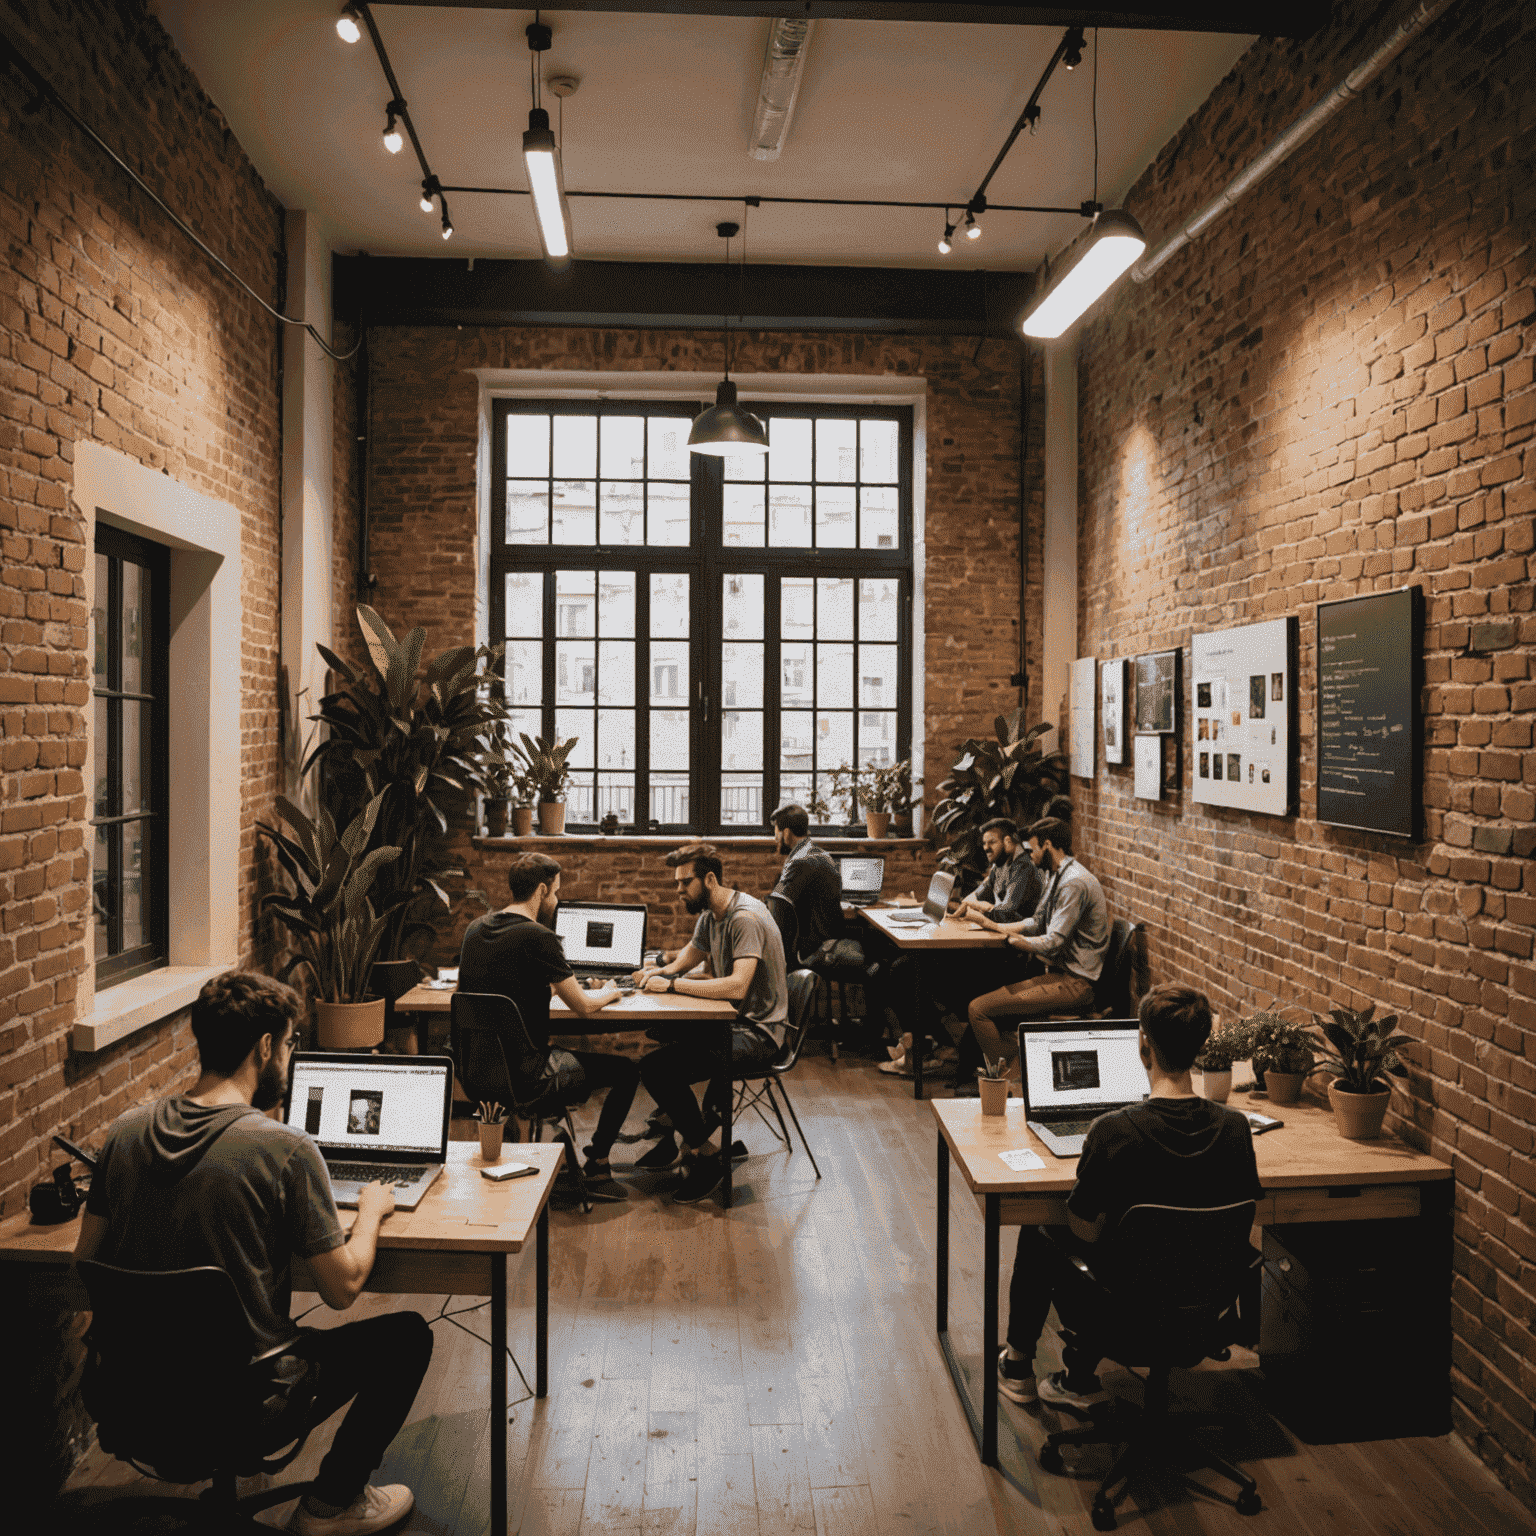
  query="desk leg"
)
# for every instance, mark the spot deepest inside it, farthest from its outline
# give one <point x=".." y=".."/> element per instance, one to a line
<point x="989" y="1267"/>
<point x="727" y="1131"/>
<point x="918" y="1027"/>
<point x="941" y="1240"/>
<point x="541" y="1305"/>
<point x="499" y="1393"/>
<point x="423" y="1032"/>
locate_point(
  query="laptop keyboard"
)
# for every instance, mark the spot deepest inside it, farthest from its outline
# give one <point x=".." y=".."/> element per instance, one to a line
<point x="1070" y="1127"/>
<point x="370" y="1173"/>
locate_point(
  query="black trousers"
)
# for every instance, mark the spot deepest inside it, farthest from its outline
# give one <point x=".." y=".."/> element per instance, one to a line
<point x="1043" y="1273"/>
<point x="377" y="1365"/>
<point x="621" y="1077"/>
<point x="669" y="1073"/>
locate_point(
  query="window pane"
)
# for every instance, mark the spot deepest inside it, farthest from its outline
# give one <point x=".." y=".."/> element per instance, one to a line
<point x="743" y="607"/>
<point x="841" y="802"/>
<point x="795" y="789"/>
<point x="836" y="456"/>
<point x="744" y="515"/>
<point x="667" y="438"/>
<point x="575" y="447"/>
<point x="527" y="512"/>
<point x="877" y="676"/>
<point x="878" y="446"/>
<point x="796" y="674"/>
<point x="741" y="738"/>
<point x="669" y="673"/>
<point x="99" y="620"/>
<point x="834" y="516"/>
<point x="135" y="760"/>
<point x="789" y="448"/>
<point x="622" y="517"/>
<point x="616" y="793"/>
<point x="575" y="512"/>
<point x="834" y="676"/>
<point x="741" y="675"/>
<point x="797" y="741"/>
<point x="528" y="445"/>
<point x="834" y="739"/>
<point x="834" y="609"/>
<point x="669" y="607"/>
<point x="669" y="796"/>
<point x="136" y="891"/>
<point x="669" y="740"/>
<point x="669" y="517"/>
<point x="744" y="466"/>
<point x="623" y="441"/>
<point x="579" y="798"/>
<point x="574" y="591"/>
<point x="575" y="672"/>
<point x="616" y="678"/>
<point x="877" y="740"/>
<point x="525" y="672"/>
<point x="797" y="607"/>
<point x="101" y="794"/>
<point x="526" y="722"/>
<point x="615" y="738"/>
<point x="616" y="604"/>
<point x="877" y="610"/>
<point x="580" y="724"/>
<point x="525" y="603"/>
<point x="877" y="520"/>
<point x="789" y="516"/>
<point x="135" y="621"/>
<point x="101" y="891"/>
<point x="741" y="800"/>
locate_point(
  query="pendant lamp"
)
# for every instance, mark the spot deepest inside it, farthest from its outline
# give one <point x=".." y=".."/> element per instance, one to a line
<point x="727" y="426"/>
<point x="1113" y="244"/>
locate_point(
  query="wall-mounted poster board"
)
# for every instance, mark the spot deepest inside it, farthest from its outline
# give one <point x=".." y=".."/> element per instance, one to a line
<point x="1112" y="709"/>
<point x="1157" y="691"/>
<point x="1370" y="729"/>
<point x="1081" y="701"/>
<point x="1244" y="725"/>
<point x="1149" y="767"/>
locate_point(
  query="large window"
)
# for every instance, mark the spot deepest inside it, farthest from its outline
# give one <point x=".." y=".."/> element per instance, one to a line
<point x="131" y="625"/>
<point x="719" y="634"/>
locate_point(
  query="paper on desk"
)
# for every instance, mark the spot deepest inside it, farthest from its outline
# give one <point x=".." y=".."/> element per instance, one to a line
<point x="1021" y="1159"/>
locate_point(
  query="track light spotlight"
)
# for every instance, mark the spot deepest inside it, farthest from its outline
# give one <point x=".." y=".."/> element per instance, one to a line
<point x="447" y="224"/>
<point x="394" y="140"/>
<point x="1075" y="45"/>
<point x="347" y="28"/>
<point x="430" y="188"/>
<point x="972" y="228"/>
<point x="945" y="247"/>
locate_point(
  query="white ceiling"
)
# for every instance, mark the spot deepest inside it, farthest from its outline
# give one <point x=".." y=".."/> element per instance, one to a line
<point x="897" y="110"/>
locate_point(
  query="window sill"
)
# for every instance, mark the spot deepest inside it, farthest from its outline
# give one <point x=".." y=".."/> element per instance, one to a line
<point x="133" y="1005"/>
<point x="664" y="844"/>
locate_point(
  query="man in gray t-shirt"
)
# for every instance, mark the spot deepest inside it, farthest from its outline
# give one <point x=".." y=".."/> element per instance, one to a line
<point x="739" y="940"/>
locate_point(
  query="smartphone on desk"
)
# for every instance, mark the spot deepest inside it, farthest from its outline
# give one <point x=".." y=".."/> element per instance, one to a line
<point x="1262" y="1123"/>
<point x="508" y="1171"/>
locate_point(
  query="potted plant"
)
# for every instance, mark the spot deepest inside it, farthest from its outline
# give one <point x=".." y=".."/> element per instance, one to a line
<point x="1008" y="776"/>
<point x="1221" y="1049"/>
<point x="844" y="783"/>
<point x="1359" y="1050"/>
<point x="992" y="1084"/>
<point x="884" y="792"/>
<point x="1282" y="1054"/>
<point x="547" y="768"/>
<point x="500" y="773"/>
<point x="331" y="917"/>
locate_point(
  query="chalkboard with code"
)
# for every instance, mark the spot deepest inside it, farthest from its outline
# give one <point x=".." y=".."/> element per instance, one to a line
<point x="1370" y="733"/>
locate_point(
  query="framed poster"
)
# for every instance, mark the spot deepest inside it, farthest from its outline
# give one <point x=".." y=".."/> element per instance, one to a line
<point x="1112" y="709"/>
<point x="1370" y="728"/>
<point x="1157" y="692"/>
<point x="1081" y="714"/>
<point x="1243" y="693"/>
<point x="1149" y="767"/>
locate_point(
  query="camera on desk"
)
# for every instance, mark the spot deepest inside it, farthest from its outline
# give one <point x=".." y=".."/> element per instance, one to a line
<point x="58" y="1200"/>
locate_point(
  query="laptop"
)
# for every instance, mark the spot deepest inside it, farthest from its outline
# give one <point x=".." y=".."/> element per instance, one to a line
<point x="1073" y="1075"/>
<point x="602" y="938"/>
<point x="932" y="910"/>
<point x="374" y="1117"/>
<point x="863" y="880"/>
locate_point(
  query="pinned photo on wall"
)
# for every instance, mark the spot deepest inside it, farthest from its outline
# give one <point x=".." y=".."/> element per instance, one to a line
<point x="1250" y="671"/>
<point x="1112" y="691"/>
<point x="1216" y="765"/>
<point x="1234" y="766"/>
<point x="1277" y="687"/>
<point x="1202" y="695"/>
<point x="1205" y="765"/>
<point x="1157" y="691"/>
<point x="1258" y="696"/>
<point x="1149" y="767"/>
<point x="1203" y="729"/>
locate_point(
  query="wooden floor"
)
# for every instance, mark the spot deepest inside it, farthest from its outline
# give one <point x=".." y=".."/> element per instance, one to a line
<point x="774" y="1370"/>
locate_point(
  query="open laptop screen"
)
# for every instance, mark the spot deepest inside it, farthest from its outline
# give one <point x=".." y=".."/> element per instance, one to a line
<point x="1078" y="1068"/>
<point x="595" y="933"/>
<point x="861" y="877"/>
<point x="366" y="1104"/>
<point x="939" y="890"/>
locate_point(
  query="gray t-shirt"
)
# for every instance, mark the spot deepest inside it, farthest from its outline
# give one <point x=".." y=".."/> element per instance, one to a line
<point x="181" y="1184"/>
<point x="748" y="930"/>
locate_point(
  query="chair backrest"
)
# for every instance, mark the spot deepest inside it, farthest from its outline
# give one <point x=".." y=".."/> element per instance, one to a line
<point x="784" y="914"/>
<point x="802" y="994"/>
<point x="494" y="1055"/>
<point x="1113" y="991"/>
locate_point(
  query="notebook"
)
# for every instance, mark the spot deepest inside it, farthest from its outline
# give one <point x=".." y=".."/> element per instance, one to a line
<point x="1073" y="1075"/>
<point x="602" y="938"/>
<point x="863" y="880"/>
<point x="374" y="1117"/>
<point x="932" y="910"/>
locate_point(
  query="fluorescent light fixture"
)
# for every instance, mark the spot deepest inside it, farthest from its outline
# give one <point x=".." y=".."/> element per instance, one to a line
<point x="541" y="155"/>
<point x="783" y="64"/>
<point x="347" y="28"/>
<point x="1113" y="244"/>
<point x="727" y="427"/>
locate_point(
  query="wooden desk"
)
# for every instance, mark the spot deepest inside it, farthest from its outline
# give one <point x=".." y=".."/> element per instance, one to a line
<point x="1309" y="1173"/>
<point x="455" y="1243"/>
<point x="924" y="939"/>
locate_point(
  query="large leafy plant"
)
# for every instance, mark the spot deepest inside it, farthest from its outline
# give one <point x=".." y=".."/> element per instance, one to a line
<point x="328" y="912"/>
<point x="1359" y="1049"/>
<point x="419" y="738"/>
<point x="1006" y="776"/>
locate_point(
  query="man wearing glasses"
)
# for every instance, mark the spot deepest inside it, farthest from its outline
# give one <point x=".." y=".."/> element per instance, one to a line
<point x="738" y="941"/>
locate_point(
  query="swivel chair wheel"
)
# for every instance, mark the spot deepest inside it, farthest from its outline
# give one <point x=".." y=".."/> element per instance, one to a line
<point x="1249" y="1502"/>
<point x="1050" y="1458"/>
<point x="1102" y="1514"/>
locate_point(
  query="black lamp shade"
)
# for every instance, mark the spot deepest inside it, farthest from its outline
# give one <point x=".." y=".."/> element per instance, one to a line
<point x="727" y="427"/>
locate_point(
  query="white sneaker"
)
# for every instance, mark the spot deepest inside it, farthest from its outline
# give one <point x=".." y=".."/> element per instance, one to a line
<point x="374" y="1509"/>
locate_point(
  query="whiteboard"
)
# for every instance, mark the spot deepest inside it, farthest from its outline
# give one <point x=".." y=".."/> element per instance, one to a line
<point x="1243" y="718"/>
<point x="1080" y="708"/>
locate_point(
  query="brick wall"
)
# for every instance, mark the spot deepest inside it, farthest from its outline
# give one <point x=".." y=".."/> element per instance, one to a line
<point x="1330" y="393"/>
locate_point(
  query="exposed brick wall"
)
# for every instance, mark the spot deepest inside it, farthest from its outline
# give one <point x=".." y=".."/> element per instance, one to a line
<point x="1330" y="393"/>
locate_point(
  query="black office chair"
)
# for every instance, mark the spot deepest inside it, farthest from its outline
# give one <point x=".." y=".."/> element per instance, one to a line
<point x="175" y="1391"/>
<point x="1123" y="981"/>
<point x="757" y="1084"/>
<point x="1162" y="1293"/>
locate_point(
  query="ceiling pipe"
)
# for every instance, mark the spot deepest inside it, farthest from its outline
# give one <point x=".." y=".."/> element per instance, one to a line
<point x="1292" y="138"/>
<point x="779" y="89"/>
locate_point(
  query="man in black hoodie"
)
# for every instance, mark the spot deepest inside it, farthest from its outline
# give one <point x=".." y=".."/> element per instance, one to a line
<point x="1174" y="1148"/>
<point x="207" y="1177"/>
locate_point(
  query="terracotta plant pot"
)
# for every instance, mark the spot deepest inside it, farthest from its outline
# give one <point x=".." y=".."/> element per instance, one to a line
<point x="994" y="1094"/>
<point x="496" y="818"/>
<point x="1215" y="1086"/>
<point x="877" y="823"/>
<point x="1283" y="1087"/>
<point x="551" y="817"/>
<point x="1358" y="1115"/>
<point x="349" y="1026"/>
<point x="522" y="821"/>
<point x="490" y="1141"/>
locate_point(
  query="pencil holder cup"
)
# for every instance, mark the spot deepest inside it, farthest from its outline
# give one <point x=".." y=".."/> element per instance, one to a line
<point x="490" y="1140"/>
<point x="994" y="1094"/>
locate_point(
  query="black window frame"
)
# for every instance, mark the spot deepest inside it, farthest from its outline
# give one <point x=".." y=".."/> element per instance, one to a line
<point x="120" y="547"/>
<point x="707" y="560"/>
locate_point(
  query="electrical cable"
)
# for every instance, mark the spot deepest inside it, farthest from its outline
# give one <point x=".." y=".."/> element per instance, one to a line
<point x="1095" y="117"/>
<point x="736" y="197"/>
<point x="47" y="92"/>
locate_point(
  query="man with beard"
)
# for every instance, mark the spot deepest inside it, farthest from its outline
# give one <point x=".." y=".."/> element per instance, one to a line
<point x="810" y="883"/>
<point x="205" y="1177"/>
<point x="738" y="939"/>
<point x="1012" y="885"/>
<point x="517" y="953"/>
